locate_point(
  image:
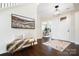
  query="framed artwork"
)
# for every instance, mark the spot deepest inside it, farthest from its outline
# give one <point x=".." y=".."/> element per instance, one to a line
<point x="63" y="18"/>
<point x="21" y="22"/>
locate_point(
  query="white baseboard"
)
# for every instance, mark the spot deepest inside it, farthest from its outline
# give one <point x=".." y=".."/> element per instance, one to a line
<point x="77" y="43"/>
<point x="74" y="42"/>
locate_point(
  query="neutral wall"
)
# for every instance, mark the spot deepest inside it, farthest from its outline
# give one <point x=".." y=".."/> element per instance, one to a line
<point x="77" y="27"/>
<point x="63" y="30"/>
<point x="8" y="34"/>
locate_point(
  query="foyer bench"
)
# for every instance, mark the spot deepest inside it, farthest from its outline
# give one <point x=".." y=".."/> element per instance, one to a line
<point x="19" y="44"/>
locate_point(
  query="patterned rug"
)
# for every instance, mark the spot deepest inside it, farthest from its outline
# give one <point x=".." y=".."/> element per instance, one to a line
<point x="59" y="45"/>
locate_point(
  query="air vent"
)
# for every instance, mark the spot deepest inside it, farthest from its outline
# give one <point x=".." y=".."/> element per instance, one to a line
<point x="63" y="18"/>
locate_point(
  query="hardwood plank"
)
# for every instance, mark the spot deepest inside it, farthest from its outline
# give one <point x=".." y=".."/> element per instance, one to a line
<point x="42" y="50"/>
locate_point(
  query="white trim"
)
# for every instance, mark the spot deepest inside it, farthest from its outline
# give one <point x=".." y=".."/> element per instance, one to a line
<point x="77" y="43"/>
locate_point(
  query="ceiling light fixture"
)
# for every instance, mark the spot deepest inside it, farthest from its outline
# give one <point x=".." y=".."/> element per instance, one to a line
<point x="57" y="12"/>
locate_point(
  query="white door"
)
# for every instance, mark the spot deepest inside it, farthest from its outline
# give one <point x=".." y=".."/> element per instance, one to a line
<point x="77" y="28"/>
<point x="64" y="29"/>
<point x="61" y="29"/>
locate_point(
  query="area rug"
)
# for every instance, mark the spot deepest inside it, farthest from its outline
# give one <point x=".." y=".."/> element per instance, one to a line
<point x="59" y="45"/>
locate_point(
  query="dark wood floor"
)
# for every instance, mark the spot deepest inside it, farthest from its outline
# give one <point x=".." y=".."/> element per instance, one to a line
<point x="42" y="50"/>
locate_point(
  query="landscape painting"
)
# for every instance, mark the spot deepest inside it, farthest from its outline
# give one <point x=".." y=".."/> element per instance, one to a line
<point x="22" y="22"/>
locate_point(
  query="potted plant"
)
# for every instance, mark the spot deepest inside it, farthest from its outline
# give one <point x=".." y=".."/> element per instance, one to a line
<point x="46" y="31"/>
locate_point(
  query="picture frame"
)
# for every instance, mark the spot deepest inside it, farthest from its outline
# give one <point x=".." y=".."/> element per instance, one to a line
<point x="22" y="22"/>
<point x="63" y="18"/>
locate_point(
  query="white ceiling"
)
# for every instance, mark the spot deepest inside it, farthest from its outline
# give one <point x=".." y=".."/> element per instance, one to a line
<point x="48" y="9"/>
